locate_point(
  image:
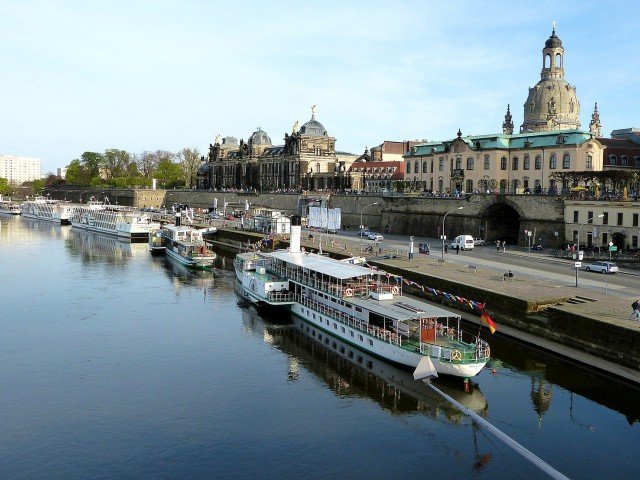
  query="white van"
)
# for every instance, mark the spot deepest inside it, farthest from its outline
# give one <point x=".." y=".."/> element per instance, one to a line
<point x="465" y="242"/>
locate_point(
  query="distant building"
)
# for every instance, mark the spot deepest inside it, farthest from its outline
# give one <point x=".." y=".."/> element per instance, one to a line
<point x="61" y="172"/>
<point x="623" y="149"/>
<point x="19" y="169"/>
<point x="307" y="161"/>
<point x="372" y="175"/>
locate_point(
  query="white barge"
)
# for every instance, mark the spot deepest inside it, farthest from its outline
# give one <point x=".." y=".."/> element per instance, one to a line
<point x="50" y="210"/>
<point x="361" y="306"/>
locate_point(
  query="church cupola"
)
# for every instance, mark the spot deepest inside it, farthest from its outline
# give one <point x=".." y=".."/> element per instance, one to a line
<point x="507" y="125"/>
<point x="594" y="125"/>
<point x="552" y="57"/>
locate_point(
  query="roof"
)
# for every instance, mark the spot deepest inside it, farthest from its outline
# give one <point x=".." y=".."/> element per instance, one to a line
<point x="402" y="308"/>
<point x="322" y="264"/>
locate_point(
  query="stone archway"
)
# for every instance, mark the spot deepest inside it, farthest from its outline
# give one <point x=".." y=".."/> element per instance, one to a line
<point x="502" y="223"/>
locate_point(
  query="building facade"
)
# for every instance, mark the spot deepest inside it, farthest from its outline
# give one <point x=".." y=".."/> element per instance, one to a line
<point x="379" y="171"/>
<point x="548" y="145"/>
<point x="19" y="169"/>
<point x="307" y="161"/>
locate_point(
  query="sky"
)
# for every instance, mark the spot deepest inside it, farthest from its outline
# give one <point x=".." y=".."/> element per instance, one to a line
<point x="164" y="75"/>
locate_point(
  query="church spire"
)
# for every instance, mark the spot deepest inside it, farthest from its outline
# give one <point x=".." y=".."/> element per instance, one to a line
<point x="507" y="125"/>
<point x="594" y="125"/>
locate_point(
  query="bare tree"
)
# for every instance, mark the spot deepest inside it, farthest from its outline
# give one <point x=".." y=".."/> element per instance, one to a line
<point x="189" y="160"/>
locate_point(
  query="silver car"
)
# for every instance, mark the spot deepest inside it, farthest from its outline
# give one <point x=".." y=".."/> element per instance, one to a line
<point x="602" y="267"/>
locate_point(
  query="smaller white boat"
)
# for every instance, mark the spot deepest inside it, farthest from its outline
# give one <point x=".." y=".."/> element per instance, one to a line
<point x="156" y="242"/>
<point x="186" y="245"/>
<point x="8" y="207"/>
<point x="49" y="209"/>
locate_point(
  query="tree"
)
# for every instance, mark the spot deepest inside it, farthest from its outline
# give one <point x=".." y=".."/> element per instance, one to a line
<point x="93" y="163"/>
<point x="77" y="174"/>
<point x="169" y="173"/>
<point x="147" y="163"/>
<point x="116" y="162"/>
<point x="5" y="189"/>
<point x="189" y="160"/>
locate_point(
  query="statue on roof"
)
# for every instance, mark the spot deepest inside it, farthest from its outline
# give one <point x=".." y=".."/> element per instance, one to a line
<point x="294" y="129"/>
<point x="217" y="140"/>
<point x="313" y="111"/>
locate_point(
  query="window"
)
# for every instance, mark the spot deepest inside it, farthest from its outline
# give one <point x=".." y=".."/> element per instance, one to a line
<point x="566" y="161"/>
<point x="425" y="167"/>
<point x="634" y="241"/>
<point x="361" y="338"/>
<point x="575" y="216"/>
<point x="343" y="329"/>
<point x="487" y="162"/>
<point x="469" y="186"/>
<point x="503" y="163"/>
<point x="605" y="218"/>
<point x="635" y="219"/>
<point x="637" y="160"/>
<point x="370" y="342"/>
<point x="470" y="163"/>
<point x="432" y="165"/>
<point x="552" y="161"/>
<point x="358" y="309"/>
<point x="589" y="164"/>
<point x="351" y="332"/>
<point x="624" y="160"/>
<point x="525" y="162"/>
<point x="538" y="162"/>
<point x="589" y="216"/>
<point x="416" y="167"/>
<point x="514" y="163"/>
<point x="408" y="167"/>
<point x="605" y="238"/>
<point x="620" y="218"/>
<point x="458" y="163"/>
<point x="613" y="159"/>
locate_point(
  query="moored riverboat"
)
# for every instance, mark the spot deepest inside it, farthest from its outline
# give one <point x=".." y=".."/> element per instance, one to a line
<point x="118" y="221"/>
<point x="48" y="209"/>
<point x="361" y="306"/>
<point x="186" y="245"/>
<point x="8" y="207"/>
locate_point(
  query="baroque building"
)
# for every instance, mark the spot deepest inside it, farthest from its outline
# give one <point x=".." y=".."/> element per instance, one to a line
<point x="548" y="146"/>
<point x="306" y="161"/>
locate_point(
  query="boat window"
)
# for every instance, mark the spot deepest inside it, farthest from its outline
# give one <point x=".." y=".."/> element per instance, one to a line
<point x="335" y="325"/>
<point x="370" y="342"/>
<point x="358" y="309"/>
<point x="343" y="329"/>
<point x="361" y="338"/>
<point x="351" y="331"/>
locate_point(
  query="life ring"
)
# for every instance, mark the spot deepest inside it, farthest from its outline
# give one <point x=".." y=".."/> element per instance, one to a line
<point x="488" y="352"/>
<point x="348" y="292"/>
<point x="395" y="290"/>
<point x="456" y="355"/>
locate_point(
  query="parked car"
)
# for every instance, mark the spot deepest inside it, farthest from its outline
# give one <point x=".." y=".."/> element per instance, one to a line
<point x="229" y="216"/>
<point x="214" y="215"/>
<point x="602" y="267"/>
<point x="364" y="233"/>
<point x="478" y="242"/>
<point x="375" y="236"/>
<point x="464" y="242"/>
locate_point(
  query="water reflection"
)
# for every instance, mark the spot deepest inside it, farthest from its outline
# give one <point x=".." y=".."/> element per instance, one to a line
<point x="93" y="247"/>
<point x="350" y="372"/>
<point x="27" y="229"/>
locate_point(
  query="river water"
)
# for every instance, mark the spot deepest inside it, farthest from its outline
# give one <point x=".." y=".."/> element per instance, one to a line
<point x="116" y="364"/>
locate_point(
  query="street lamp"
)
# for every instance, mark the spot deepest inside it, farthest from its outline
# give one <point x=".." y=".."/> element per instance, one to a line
<point x="361" y="212"/>
<point x="443" y="219"/>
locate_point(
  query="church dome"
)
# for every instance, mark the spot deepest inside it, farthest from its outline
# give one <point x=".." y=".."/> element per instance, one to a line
<point x="260" y="137"/>
<point x="313" y="128"/>
<point x="203" y="169"/>
<point x="552" y="104"/>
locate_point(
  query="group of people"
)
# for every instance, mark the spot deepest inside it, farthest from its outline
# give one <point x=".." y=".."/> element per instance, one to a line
<point x="502" y="244"/>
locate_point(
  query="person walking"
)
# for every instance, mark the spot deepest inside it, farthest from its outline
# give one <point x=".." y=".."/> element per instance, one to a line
<point x="504" y="247"/>
<point x="635" y="314"/>
<point x="497" y="246"/>
<point x="446" y="249"/>
<point x="457" y="249"/>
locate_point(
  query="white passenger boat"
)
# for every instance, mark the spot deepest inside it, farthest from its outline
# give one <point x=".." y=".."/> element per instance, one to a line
<point x="156" y="242"/>
<point x="7" y="207"/>
<point x="361" y="306"/>
<point x="51" y="210"/>
<point x="186" y="245"/>
<point x="119" y="221"/>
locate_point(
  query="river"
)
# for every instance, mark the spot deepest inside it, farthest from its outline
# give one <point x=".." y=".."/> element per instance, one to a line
<point x="117" y="364"/>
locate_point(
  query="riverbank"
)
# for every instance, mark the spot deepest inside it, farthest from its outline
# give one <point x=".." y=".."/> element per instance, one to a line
<point x="585" y="326"/>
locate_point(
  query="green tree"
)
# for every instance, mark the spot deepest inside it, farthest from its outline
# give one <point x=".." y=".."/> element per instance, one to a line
<point x="5" y="189"/>
<point x="77" y="174"/>
<point x="168" y="173"/>
<point x="93" y="163"/>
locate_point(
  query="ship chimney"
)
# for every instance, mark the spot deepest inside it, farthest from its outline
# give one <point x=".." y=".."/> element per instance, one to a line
<point x="178" y="219"/>
<point x="294" y="245"/>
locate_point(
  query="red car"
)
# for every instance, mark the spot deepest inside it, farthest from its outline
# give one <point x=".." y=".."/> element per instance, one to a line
<point x="229" y="216"/>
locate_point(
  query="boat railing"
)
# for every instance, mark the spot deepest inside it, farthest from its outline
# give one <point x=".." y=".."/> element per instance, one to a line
<point x="280" y="297"/>
<point x="477" y="350"/>
<point x="351" y="321"/>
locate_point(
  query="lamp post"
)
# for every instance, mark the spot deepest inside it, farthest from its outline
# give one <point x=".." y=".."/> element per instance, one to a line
<point x="361" y="212"/>
<point x="443" y="219"/>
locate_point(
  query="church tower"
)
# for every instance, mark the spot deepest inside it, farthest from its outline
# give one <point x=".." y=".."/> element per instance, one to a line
<point x="594" y="125"/>
<point x="552" y="104"/>
<point x="507" y="125"/>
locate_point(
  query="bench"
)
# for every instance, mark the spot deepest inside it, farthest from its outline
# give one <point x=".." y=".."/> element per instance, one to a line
<point x="440" y="261"/>
<point x="508" y="275"/>
<point x="473" y="268"/>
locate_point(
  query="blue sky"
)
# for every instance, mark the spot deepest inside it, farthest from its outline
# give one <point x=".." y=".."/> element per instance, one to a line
<point x="147" y="75"/>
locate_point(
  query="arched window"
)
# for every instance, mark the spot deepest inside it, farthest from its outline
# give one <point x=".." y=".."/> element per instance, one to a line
<point x="552" y="161"/>
<point x="624" y="160"/>
<point x="525" y="162"/>
<point x="425" y="167"/>
<point x="613" y="159"/>
<point x="514" y="163"/>
<point x="416" y="166"/>
<point x="458" y="163"/>
<point x="408" y="167"/>
<point x="547" y="61"/>
<point x="503" y="163"/>
<point x="589" y="164"/>
<point x="487" y="162"/>
<point x="470" y="164"/>
<point x="637" y="161"/>
<point x="441" y="166"/>
<point x="558" y="60"/>
<point x="538" y="162"/>
<point x="566" y="161"/>
<point x="432" y="165"/>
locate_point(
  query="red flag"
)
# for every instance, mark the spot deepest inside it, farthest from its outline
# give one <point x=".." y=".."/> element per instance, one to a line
<point x="486" y="319"/>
